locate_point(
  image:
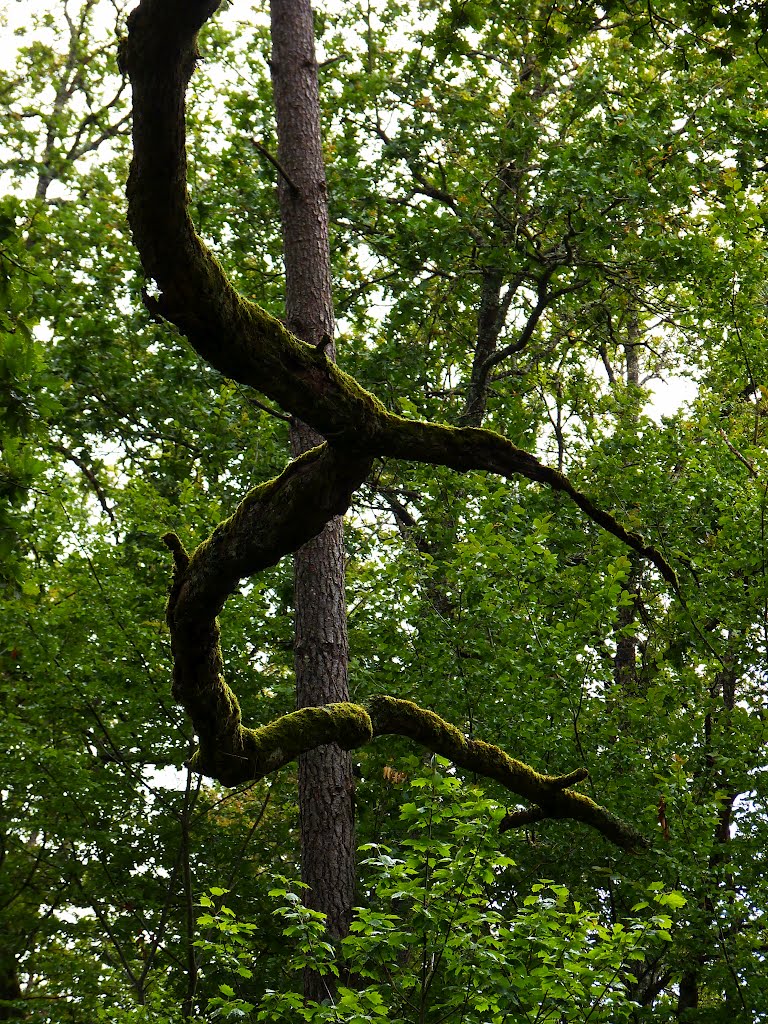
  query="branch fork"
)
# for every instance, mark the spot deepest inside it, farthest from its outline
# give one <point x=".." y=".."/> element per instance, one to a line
<point x="246" y="344"/>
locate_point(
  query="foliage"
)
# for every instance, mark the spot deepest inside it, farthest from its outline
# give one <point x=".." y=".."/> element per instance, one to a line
<point x="434" y="940"/>
<point x="26" y="403"/>
<point x="603" y="163"/>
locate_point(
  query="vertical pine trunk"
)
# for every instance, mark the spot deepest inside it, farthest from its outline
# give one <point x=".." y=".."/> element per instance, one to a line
<point x="321" y="648"/>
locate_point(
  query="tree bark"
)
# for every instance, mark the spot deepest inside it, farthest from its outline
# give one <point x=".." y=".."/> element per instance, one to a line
<point x="321" y="645"/>
<point x="688" y="993"/>
<point x="10" y="989"/>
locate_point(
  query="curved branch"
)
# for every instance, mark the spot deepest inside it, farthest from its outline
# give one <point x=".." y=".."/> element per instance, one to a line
<point x="273" y="519"/>
<point x="258" y="752"/>
<point x="245" y="343"/>
<point x="242" y="340"/>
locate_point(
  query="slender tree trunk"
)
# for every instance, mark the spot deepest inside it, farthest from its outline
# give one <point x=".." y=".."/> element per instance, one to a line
<point x="688" y="993"/>
<point x="321" y="647"/>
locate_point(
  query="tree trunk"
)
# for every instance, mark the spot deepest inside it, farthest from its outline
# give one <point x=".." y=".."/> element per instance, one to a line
<point x="321" y="647"/>
<point x="688" y="993"/>
<point x="10" y="989"/>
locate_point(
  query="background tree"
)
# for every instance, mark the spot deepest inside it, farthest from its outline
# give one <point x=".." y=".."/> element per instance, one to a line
<point x="326" y="784"/>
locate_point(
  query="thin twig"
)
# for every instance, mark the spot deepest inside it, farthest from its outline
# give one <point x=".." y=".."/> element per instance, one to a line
<point x="276" y="164"/>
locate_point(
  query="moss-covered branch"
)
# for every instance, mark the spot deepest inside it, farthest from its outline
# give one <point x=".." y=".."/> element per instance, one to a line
<point x="239" y="338"/>
<point x="245" y="343"/>
<point x="268" y="522"/>
<point x="250" y="754"/>
<point x="254" y="753"/>
<point x="274" y="518"/>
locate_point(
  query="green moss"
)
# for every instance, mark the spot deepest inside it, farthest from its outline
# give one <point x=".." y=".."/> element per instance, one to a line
<point x="249" y="754"/>
<point x="346" y="724"/>
<point x="253" y="753"/>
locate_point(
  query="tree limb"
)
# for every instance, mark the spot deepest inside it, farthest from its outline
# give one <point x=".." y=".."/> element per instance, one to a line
<point x="242" y="340"/>
<point x="255" y="537"/>
<point x="258" y="752"/>
<point x="246" y="344"/>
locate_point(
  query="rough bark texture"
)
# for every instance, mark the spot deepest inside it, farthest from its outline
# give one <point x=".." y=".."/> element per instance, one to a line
<point x="321" y="647"/>
<point x="242" y="341"/>
<point x="326" y="783"/>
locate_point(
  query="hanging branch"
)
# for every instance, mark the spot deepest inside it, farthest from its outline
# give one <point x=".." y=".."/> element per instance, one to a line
<point x="246" y="344"/>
